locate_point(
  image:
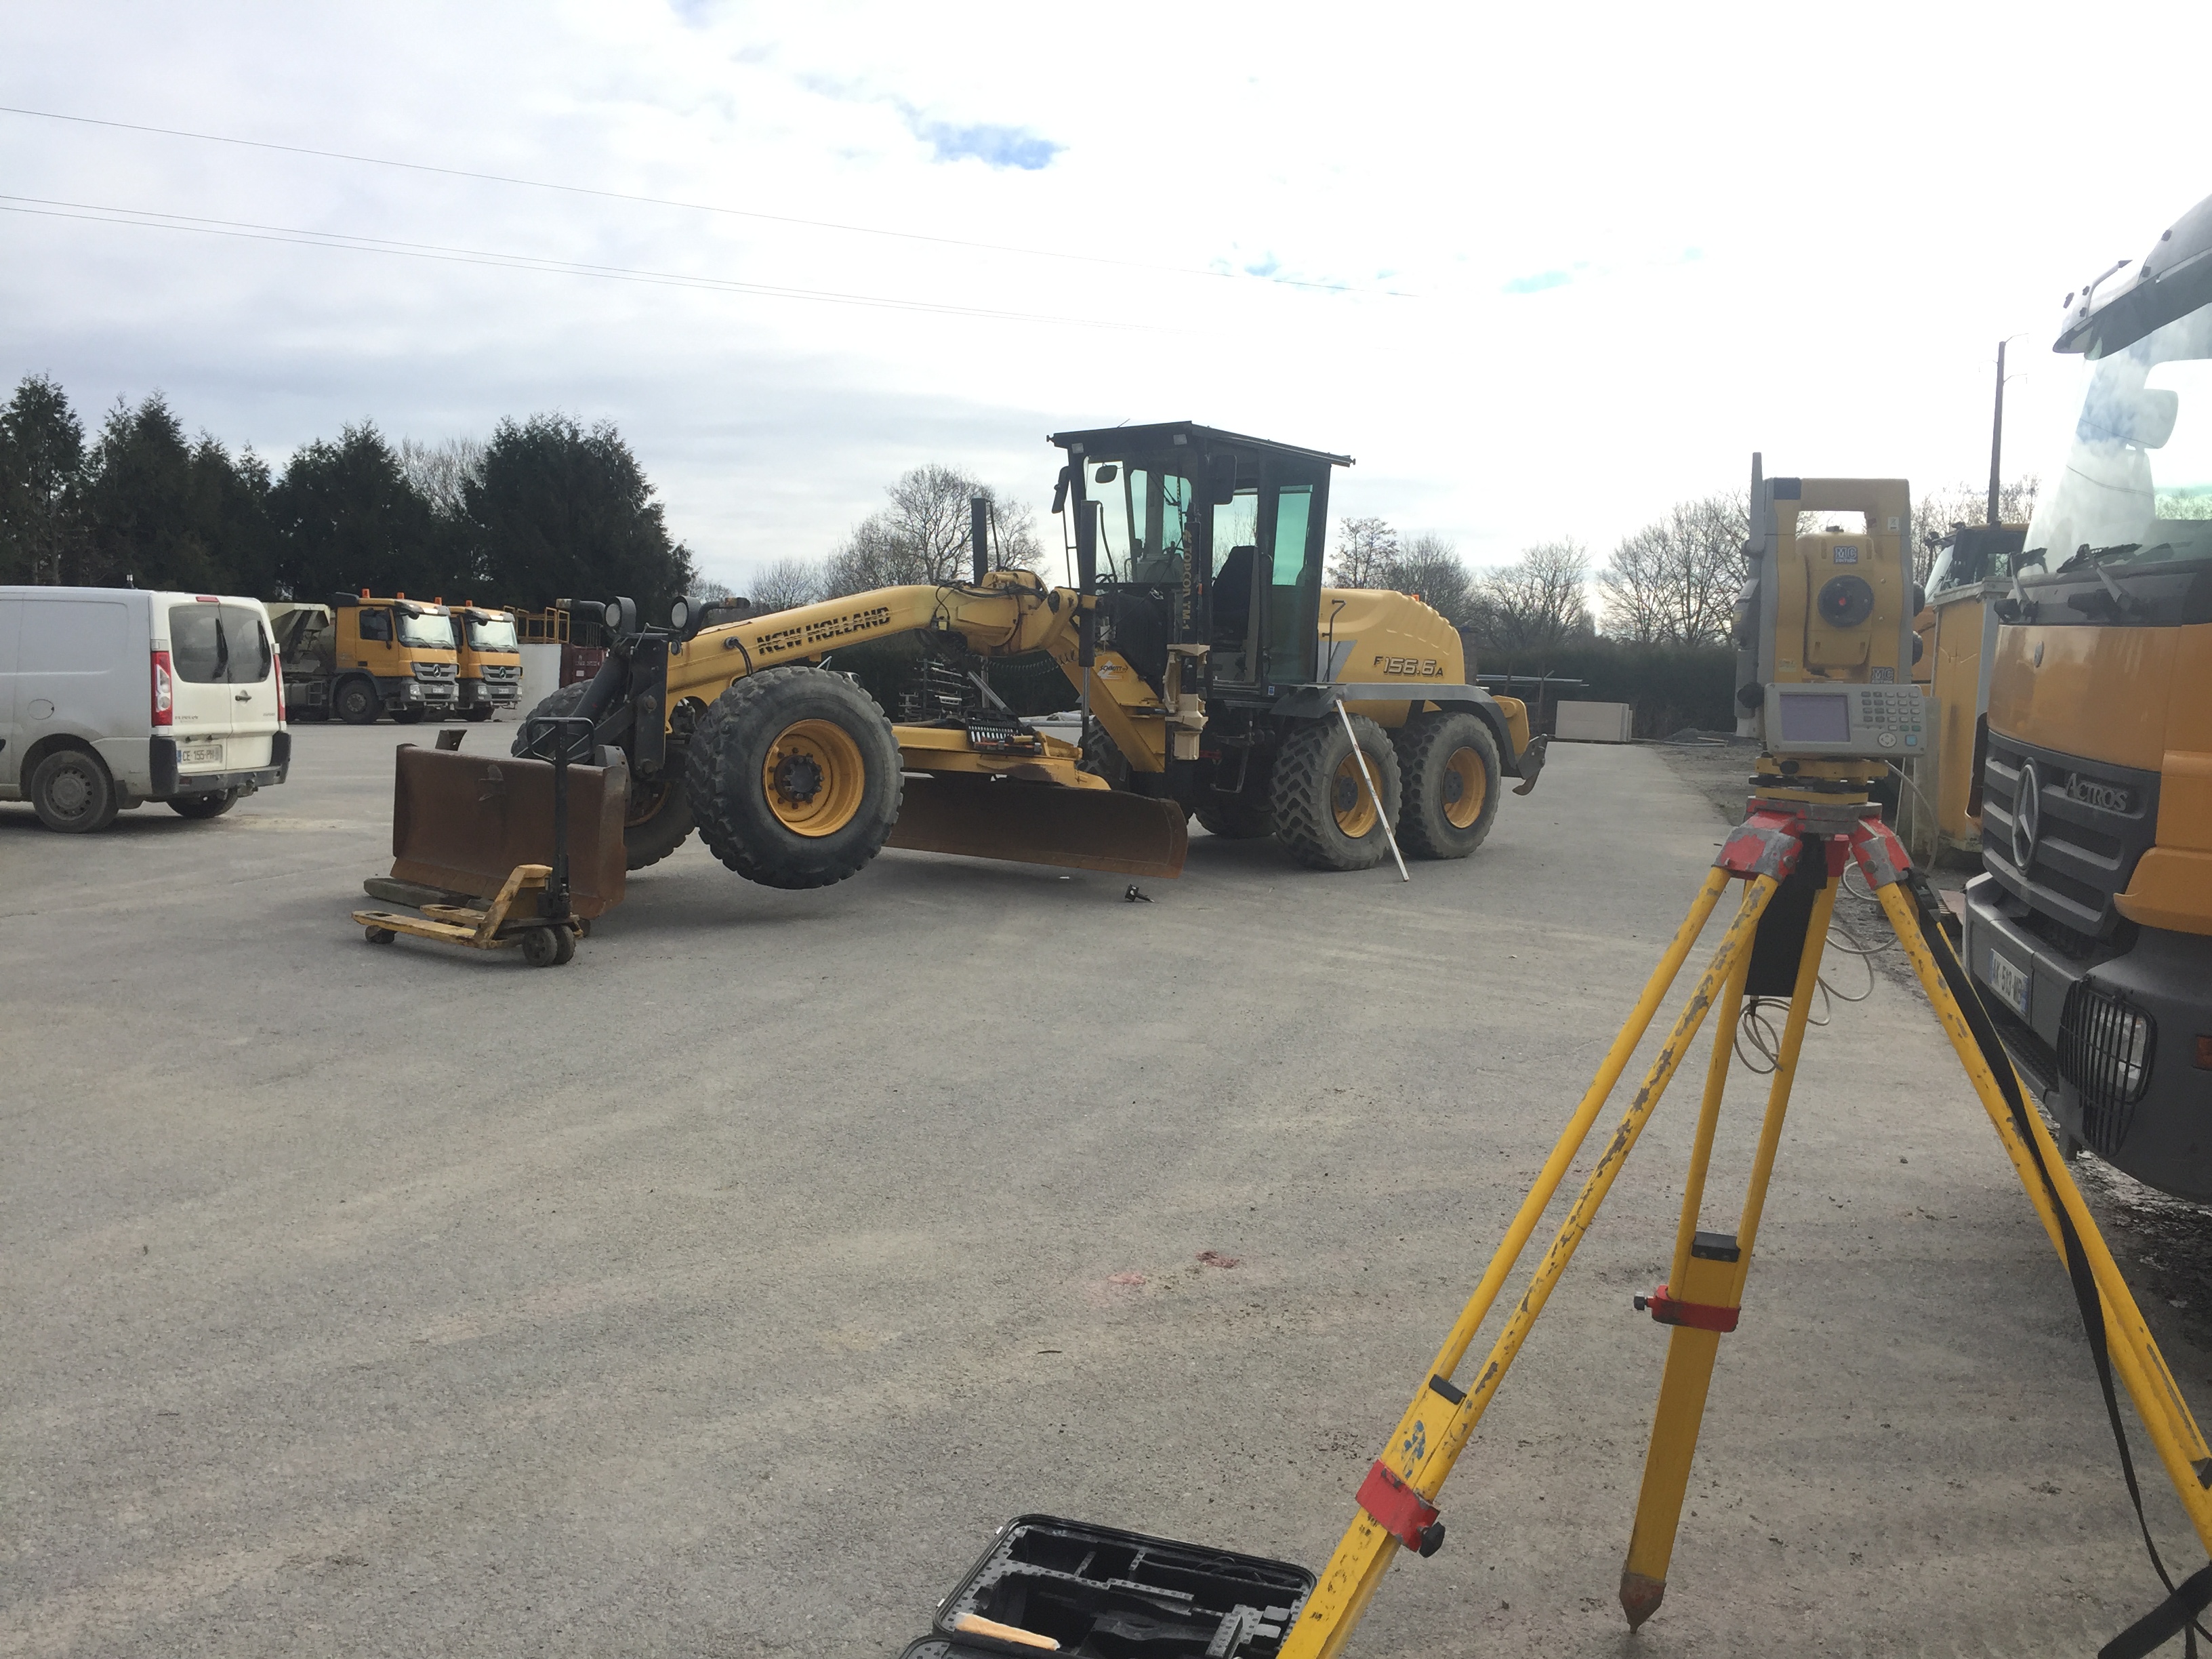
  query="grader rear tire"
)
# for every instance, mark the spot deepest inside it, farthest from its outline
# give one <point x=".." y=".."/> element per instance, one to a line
<point x="1450" y="763"/>
<point x="1324" y="816"/>
<point x="795" y="778"/>
<point x="657" y="818"/>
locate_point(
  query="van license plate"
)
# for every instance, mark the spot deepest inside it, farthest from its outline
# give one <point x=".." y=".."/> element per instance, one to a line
<point x="2009" y="983"/>
<point x="197" y="756"/>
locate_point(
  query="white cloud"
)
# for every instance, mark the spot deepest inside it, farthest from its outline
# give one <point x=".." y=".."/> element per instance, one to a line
<point x="1643" y="242"/>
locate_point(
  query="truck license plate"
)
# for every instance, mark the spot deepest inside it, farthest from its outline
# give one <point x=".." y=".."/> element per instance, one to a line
<point x="198" y="756"/>
<point x="2009" y="983"/>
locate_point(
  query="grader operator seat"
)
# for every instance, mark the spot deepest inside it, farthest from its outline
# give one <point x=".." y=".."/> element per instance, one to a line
<point x="1232" y="599"/>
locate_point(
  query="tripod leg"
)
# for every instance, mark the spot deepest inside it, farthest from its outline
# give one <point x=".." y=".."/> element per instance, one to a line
<point x="2133" y="1351"/>
<point x="1702" y="1297"/>
<point x="1436" y="1427"/>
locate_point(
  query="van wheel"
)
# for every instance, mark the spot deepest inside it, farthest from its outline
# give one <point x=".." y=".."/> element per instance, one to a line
<point x="204" y="806"/>
<point x="357" y="704"/>
<point x="73" y="793"/>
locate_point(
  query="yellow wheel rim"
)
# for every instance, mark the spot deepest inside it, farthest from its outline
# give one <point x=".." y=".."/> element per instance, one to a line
<point x="645" y="800"/>
<point x="814" y="777"/>
<point x="1467" y="786"/>
<point x="1349" y="798"/>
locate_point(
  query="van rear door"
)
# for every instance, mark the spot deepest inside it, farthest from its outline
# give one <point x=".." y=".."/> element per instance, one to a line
<point x="252" y="661"/>
<point x="200" y="665"/>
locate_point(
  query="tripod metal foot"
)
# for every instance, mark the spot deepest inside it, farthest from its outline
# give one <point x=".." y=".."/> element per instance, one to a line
<point x="1640" y="1597"/>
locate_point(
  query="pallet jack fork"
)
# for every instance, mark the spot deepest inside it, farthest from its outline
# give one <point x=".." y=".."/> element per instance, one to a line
<point x="546" y="933"/>
<point x="1790" y="854"/>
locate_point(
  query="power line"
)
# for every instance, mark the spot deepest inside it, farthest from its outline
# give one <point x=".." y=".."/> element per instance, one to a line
<point x="96" y="213"/>
<point x="710" y="207"/>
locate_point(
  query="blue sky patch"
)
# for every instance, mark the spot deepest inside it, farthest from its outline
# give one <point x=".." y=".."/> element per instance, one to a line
<point x="1539" y="282"/>
<point x="993" y="146"/>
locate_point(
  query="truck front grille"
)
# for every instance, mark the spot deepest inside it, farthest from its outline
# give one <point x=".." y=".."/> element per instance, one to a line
<point x="2088" y="824"/>
<point x="2106" y="1048"/>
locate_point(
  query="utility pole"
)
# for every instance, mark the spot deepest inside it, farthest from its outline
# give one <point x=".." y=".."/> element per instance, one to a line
<point x="1996" y="433"/>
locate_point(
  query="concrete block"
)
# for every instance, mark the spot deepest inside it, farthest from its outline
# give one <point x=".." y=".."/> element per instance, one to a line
<point x="1593" y="722"/>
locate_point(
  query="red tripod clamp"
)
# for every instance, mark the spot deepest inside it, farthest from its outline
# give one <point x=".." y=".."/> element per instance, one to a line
<point x="1697" y="1315"/>
<point x="1399" y="1511"/>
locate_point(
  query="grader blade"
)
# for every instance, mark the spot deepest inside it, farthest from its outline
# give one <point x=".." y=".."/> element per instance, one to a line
<point x="1042" y="824"/>
<point x="464" y="821"/>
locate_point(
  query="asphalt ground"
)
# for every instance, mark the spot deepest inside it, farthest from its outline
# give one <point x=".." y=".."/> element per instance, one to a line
<point x="721" y="1292"/>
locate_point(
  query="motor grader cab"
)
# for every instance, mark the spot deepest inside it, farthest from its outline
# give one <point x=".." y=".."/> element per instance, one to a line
<point x="1217" y="677"/>
<point x="1216" y="658"/>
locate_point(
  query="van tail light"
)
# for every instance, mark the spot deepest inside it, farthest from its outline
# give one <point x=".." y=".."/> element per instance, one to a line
<point x="165" y="690"/>
<point x="276" y="665"/>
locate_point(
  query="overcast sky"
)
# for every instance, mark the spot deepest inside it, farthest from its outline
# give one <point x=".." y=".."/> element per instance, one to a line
<point x="1542" y="271"/>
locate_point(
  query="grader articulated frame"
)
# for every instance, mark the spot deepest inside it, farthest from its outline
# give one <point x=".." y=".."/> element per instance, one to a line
<point x="1216" y="675"/>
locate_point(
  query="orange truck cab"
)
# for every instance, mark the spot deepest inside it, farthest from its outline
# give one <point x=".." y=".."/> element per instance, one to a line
<point x="490" y="657"/>
<point x="2090" y="932"/>
<point x="360" y="658"/>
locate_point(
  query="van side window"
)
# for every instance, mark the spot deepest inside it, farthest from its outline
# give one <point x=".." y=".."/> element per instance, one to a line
<point x="376" y="625"/>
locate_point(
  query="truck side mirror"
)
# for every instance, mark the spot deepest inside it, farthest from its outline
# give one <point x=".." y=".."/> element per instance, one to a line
<point x="1221" y="479"/>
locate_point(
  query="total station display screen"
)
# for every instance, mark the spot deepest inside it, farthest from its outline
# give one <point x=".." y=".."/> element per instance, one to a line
<point x="1824" y="717"/>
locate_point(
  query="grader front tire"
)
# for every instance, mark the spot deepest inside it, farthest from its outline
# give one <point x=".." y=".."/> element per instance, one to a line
<point x="795" y="778"/>
<point x="1450" y="763"/>
<point x="1324" y="816"/>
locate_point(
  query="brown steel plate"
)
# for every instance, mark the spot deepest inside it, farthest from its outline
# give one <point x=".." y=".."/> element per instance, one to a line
<point x="1042" y="824"/>
<point x="464" y="821"/>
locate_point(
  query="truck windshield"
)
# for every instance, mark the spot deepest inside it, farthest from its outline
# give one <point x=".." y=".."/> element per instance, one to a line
<point x="432" y="632"/>
<point x="497" y="634"/>
<point x="2134" y="481"/>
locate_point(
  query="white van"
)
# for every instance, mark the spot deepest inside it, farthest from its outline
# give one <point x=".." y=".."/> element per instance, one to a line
<point x="111" y="698"/>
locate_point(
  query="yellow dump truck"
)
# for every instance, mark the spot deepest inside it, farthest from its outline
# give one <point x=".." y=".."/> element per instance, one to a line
<point x="359" y="657"/>
<point x="2091" y="931"/>
<point x="1957" y="629"/>
<point x="488" y="657"/>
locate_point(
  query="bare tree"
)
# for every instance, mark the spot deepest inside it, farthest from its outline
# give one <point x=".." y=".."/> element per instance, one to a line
<point x="1364" y="547"/>
<point x="1428" y="566"/>
<point x="922" y="536"/>
<point x="1536" y="604"/>
<point x="441" y="472"/>
<point x="1674" y="582"/>
<point x="785" y="584"/>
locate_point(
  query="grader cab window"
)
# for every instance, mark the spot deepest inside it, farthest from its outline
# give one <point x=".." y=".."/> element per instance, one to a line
<point x="1143" y="517"/>
<point x="1293" y="588"/>
<point x="1236" y="570"/>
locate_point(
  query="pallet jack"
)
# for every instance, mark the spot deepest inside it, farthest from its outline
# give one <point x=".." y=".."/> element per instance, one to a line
<point x="530" y="910"/>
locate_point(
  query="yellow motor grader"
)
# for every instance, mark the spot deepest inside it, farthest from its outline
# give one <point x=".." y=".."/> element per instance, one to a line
<point x="1208" y="660"/>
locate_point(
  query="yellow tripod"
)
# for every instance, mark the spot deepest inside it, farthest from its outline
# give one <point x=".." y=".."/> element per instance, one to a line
<point x="1790" y="854"/>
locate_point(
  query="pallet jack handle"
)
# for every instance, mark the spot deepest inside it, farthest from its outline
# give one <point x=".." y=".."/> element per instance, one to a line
<point x="555" y="736"/>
